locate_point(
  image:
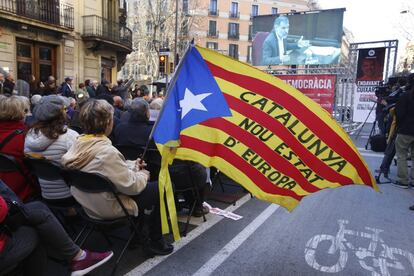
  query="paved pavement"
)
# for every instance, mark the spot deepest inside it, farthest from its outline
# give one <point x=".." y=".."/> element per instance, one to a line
<point x="347" y="231"/>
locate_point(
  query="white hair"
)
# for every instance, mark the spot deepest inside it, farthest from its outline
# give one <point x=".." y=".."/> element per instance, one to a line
<point x="35" y="99"/>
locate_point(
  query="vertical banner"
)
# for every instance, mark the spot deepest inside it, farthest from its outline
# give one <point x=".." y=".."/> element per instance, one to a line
<point x="369" y="75"/>
<point x="320" y="88"/>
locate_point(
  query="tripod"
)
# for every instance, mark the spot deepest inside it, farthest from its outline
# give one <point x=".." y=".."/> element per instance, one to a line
<point x="363" y="124"/>
<point x="389" y="152"/>
<point x="371" y="133"/>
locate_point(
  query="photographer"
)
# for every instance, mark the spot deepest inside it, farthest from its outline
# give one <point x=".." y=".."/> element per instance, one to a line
<point x="29" y="233"/>
<point x="381" y="92"/>
<point x="404" y="142"/>
<point x="390" y="126"/>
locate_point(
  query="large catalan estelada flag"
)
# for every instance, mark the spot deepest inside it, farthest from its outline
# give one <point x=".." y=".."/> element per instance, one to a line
<point x="264" y="134"/>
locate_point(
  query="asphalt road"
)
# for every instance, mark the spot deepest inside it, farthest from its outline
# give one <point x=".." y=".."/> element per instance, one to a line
<point x="346" y="231"/>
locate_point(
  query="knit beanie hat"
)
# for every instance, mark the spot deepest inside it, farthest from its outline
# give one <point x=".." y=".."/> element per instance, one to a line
<point x="49" y="107"/>
<point x="3" y="209"/>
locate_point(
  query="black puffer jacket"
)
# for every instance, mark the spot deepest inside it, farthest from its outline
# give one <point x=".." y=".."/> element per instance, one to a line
<point x="405" y="113"/>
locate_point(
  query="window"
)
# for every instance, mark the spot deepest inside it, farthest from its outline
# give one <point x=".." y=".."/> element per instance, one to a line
<point x="249" y="54"/>
<point x="234" y="51"/>
<point x="233" y="30"/>
<point x="255" y="10"/>
<point x="213" y="7"/>
<point x="274" y="10"/>
<point x="234" y="11"/>
<point x="35" y="59"/>
<point x="250" y="32"/>
<point x="185" y="6"/>
<point x="212" y="28"/>
<point x="212" y="45"/>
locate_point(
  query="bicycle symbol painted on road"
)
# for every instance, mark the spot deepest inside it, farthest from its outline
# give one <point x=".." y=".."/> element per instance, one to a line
<point x="378" y="258"/>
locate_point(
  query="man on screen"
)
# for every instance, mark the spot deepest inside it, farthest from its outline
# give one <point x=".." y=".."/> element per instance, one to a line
<point x="275" y="46"/>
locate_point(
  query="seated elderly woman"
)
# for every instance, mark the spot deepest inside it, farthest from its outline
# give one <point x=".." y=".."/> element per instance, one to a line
<point x="50" y="138"/>
<point x="93" y="152"/>
<point x="12" y="115"/>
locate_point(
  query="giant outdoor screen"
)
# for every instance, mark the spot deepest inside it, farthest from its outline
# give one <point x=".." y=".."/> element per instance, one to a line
<point x="312" y="37"/>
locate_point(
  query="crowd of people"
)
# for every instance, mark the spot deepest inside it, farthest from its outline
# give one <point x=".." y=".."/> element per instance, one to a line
<point x="82" y="130"/>
<point x="395" y="118"/>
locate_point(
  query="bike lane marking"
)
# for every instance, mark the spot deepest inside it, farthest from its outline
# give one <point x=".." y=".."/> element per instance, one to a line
<point x="153" y="262"/>
<point x="211" y="265"/>
<point x="382" y="261"/>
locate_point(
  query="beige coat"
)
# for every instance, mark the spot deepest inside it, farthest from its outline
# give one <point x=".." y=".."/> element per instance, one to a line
<point x="95" y="154"/>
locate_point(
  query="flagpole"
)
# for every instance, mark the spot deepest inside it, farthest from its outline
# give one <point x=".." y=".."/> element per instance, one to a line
<point x="169" y="88"/>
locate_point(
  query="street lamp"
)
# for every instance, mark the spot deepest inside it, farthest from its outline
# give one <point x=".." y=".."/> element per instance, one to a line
<point x="176" y="33"/>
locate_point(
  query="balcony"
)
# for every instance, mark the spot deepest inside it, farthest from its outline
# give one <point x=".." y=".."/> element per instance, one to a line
<point x="47" y="14"/>
<point x="101" y="32"/>
<point x="233" y="35"/>
<point x="212" y="34"/>
<point x="234" y="14"/>
<point x="212" y="12"/>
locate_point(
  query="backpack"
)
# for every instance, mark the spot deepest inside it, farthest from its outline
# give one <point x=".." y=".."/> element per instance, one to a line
<point x="378" y="143"/>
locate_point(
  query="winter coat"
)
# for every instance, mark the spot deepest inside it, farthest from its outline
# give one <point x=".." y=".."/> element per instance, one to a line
<point x="52" y="150"/>
<point x="95" y="154"/>
<point x="14" y="180"/>
<point x="404" y="111"/>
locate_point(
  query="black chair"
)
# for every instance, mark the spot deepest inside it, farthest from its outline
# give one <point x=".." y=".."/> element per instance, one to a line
<point x="153" y="159"/>
<point x="130" y="152"/>
<point x="185" y="176"/>
<point x="9" y="164"/>
<point x="52" y="171"/>
<point x="96" y="183"/>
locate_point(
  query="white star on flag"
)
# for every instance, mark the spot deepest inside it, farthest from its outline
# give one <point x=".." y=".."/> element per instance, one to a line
<point x="191" y="101"/>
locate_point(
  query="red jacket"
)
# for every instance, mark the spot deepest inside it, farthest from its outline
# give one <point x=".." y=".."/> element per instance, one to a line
<point x="15" y="147"/>
<point x="3" y="213"/>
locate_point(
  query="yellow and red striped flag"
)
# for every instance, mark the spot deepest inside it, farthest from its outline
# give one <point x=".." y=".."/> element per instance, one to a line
<point x="264" y="134"/>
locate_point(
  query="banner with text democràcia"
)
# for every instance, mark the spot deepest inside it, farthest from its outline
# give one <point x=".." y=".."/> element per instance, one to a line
<point x="320" y="88"/>
<point x="259" y="131"/>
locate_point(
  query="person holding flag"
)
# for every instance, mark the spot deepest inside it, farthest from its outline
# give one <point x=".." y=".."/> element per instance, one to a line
<point x="259" y="131"/>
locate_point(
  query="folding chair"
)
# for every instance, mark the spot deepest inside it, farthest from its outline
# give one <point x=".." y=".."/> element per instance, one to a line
<point x="216" y="178"/>
<point x="187" y="178"/>
<point x="153" y="160"/>
<point x="97" y="183"/>
<point x="130" y="152"/>
<point x="52" y="171"/>
<point x="9" y="164"/>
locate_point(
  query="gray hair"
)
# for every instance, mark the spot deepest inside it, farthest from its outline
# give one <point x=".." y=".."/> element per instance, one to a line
<point x="281" y="19"/>
<point x="13" y="108"/>
<point x="156" y="104"/>
<point x="35" y="99"/>
<point x="139" y="110"/>
<point x="95" y="116"/>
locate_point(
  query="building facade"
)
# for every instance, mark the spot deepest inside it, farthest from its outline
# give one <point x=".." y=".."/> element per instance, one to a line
<point x="222" y="25"/>
<point x="226" y="25"/>
<point x="85" y="39"/>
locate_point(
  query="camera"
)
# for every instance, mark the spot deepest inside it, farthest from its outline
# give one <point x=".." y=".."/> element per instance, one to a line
<point x="381" y="91"/>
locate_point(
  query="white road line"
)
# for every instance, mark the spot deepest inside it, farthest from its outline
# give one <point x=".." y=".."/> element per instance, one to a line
<point x="369" y="153"/>
<point x="210" y="266"/>
<point x="151" y="263"/>
<point x="372" y="154"/>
